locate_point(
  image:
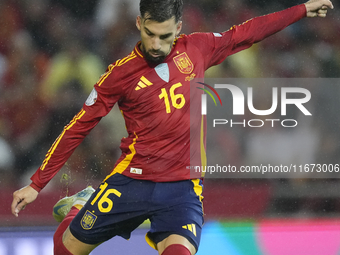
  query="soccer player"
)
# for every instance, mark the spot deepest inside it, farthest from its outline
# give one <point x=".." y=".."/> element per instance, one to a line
<point x="151" y="179"/>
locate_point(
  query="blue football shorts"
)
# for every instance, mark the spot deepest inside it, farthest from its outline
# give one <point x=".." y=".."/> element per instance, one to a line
<point x="121" y="204"/>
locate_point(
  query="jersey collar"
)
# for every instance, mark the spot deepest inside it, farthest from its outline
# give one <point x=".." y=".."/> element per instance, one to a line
<point x="138" y="51"/>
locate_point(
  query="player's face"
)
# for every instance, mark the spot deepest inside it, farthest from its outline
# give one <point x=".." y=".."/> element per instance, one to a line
<point x="157" y="38"/>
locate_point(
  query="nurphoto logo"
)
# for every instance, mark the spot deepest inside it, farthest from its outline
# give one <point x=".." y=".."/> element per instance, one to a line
<point x="295" y="96"/>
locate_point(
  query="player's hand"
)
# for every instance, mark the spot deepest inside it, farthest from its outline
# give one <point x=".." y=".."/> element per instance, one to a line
<point x="21" y="198"/>
<point x="318" y="8"/>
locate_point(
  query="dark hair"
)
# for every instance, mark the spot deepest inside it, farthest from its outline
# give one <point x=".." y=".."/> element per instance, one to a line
<point x="161" y="10"/>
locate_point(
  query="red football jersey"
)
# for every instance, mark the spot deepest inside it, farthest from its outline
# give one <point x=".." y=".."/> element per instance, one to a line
<point x="165" y="135"/>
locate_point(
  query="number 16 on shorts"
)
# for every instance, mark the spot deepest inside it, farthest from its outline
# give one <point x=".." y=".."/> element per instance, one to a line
<point x="105" y="204"/>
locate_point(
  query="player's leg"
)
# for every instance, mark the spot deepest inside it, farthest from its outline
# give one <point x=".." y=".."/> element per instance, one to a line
<point x="64" y="211"/>
<point x="176" y="228"/>
<point x="74" y="246"/>
<point x="175" y="244"/>
<point x="65" y="243"/>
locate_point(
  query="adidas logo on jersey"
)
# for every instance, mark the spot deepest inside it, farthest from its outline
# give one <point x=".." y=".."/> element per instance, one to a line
<point x="143" y="83"/>
<point x="136" y="170"/>
<point x="191" y="228"/>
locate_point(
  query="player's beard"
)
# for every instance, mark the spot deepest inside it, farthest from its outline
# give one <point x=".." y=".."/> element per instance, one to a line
<point x="154" y="60"/>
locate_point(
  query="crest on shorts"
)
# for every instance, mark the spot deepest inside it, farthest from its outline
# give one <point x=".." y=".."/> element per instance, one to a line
<point x="88" y="220"/>
<point x="184" y="63"/>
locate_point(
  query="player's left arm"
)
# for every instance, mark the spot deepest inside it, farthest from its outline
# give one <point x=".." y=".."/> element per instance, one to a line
<point x="243" y="36"/>
<point x="318" y="8"/>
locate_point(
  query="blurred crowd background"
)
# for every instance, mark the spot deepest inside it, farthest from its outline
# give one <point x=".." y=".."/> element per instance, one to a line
<point x="52" y="52"/>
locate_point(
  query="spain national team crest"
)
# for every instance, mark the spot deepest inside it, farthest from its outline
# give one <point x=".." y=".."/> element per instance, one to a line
<point x="184" y="63"/>
<point x="88" y="220"/>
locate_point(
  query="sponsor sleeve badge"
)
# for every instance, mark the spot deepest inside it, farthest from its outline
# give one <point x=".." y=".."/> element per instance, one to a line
<point x="92" y="98"/>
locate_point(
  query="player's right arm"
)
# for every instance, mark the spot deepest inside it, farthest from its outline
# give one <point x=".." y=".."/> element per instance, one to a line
<point x="99" y="103"/>
<point x="21" y="198"/>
